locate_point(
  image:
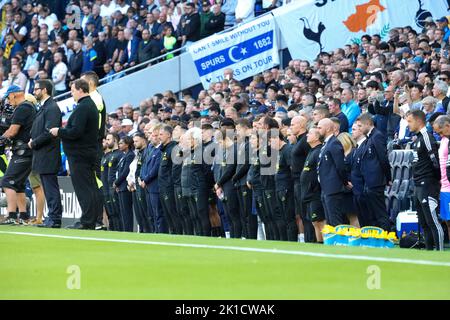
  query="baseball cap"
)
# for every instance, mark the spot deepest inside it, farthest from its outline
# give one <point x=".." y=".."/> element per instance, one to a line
<point x="143" y="7"/>
<point x="206" y="4"/>
<point x="175" y="118"/>
<point x="442" y="20"/>
<point x="167" y="109"/>
<point x="406" y="50"/>
<point x="127" y="122"/>
<point x="12" y="89"/>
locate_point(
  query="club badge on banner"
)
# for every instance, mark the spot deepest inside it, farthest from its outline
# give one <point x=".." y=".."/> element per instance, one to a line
<point x="314" y="26"/>
<point x="248" y="50"/>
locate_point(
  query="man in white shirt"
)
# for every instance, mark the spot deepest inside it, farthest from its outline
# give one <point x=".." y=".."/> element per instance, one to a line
<point x="122" y="6"/>
<point x="32" y="79"/>
<point x="16" y="77"/>
<point x="245" y="11"/>
<point x="107" y="8"/>
<point x="45" y="17"/>
<point x="59" y="74"/>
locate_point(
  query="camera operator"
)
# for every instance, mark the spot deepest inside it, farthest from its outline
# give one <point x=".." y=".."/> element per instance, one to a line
<point x="16" y="174"/>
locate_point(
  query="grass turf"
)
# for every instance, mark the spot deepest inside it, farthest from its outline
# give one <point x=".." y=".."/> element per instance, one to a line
<point x="36" y="268"/>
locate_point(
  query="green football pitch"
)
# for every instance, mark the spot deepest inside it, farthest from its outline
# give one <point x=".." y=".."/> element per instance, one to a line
<point x="71" y="264"/>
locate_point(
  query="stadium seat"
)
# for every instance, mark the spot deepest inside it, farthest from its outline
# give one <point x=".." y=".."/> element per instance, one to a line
<point x="403" y="190"/>
<point x="407" y="158"/>
<point x="392" y="157"/>
<point x="394" y="188"/>
<point x="398" y="159"/>
<point x="398" y="174"/>
<point x="406" y="173"/>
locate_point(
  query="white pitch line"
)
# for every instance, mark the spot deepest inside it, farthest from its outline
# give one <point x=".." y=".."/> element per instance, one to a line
<point x="245" y="249"/>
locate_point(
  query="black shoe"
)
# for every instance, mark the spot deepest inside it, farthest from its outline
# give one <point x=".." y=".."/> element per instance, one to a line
<point x="80" y="226"/>
<point x="100" y="227"/>
<point x="50" y="224"/>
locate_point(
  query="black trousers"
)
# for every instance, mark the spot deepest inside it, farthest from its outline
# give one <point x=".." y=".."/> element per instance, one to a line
<point x="364" y="217"/>
<point x="140" y="210"/>
<point x="286" y="220"/>
<point x="98" y="173"/>
<point x="87" y="191"/>
<point x="183" y="211"/>
<point x="167" y="197"/>
<point x="334" y="212"/>
<point x="270" y="211"/>
<point x="376" y="207"/>
<point x="126" y="210"/>
<point x="115" y="221"/>
<point x="426" y="201"/>
<point x="248" y="220"/>
<point x="309" y="232"/>
<point x="52" y="196"/>
<point x="258" y="195"/>
<point x="231" y="207"/>
<point x="199" y="212"/>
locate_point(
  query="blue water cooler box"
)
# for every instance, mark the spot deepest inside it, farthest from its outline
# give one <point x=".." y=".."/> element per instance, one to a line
<point x="407" y="221"/>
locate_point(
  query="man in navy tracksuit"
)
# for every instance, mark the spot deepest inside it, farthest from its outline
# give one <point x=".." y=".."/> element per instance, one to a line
<point x="376" y="171"/>
<point x="139" y="202"/>
<point x="165" y="181"/>
<point x="284" y="185"/>
<point x="249" y="221"/>
<point x="332" y="174"/>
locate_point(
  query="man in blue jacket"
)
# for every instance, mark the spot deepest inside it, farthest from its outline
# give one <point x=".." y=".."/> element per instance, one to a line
<point x="130" y="54"/>
<point x="349" y="107"/>
<point x="376" y="171"/>
<point x="332" y="174"/>
<point x="149" y="181"/>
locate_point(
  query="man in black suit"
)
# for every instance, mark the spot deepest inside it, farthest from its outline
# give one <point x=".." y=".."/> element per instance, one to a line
<point x="80" y="144"/>
<point x="46" y="151"/>
<point x="375" y="170"/>
<point x="332" y="174"/>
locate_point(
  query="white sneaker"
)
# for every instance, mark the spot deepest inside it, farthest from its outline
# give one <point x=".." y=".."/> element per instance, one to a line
<point x="301" y="238"/>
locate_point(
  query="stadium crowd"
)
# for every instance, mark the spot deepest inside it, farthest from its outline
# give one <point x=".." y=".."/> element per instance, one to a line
<point x="105" y="36"/>
<point x="276" y="158"/>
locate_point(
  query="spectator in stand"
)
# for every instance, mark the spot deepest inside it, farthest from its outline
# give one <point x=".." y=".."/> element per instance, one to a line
<point x="44" y="56"/>
<point x="59" y="74"/>
<point x="130" y="53"/>
<point x="76" y="61"/>
<point x="349" y="107"/>
<point x="205" y="16"/>
<point x="245" y="11"/>
<point x="89" y="56"/>
<point x="16" y="77"/>
<point x="189" y="27"/>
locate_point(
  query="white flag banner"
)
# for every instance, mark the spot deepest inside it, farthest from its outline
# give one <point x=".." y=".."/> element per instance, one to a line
<point x="248" y="50"/>
<point x="313" y="26"/>
<point x="66" y="106"/>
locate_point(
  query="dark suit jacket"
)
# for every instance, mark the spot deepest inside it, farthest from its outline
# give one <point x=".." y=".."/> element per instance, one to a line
<point x="375" y="166"/>
<point x="132" y="56"/>
<point x="76" y="64"/>
<point x="123" y="169"/>
<point x="80" y="136"/>
<point x="332" y="170"/>
<point x="46" y="148"/>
